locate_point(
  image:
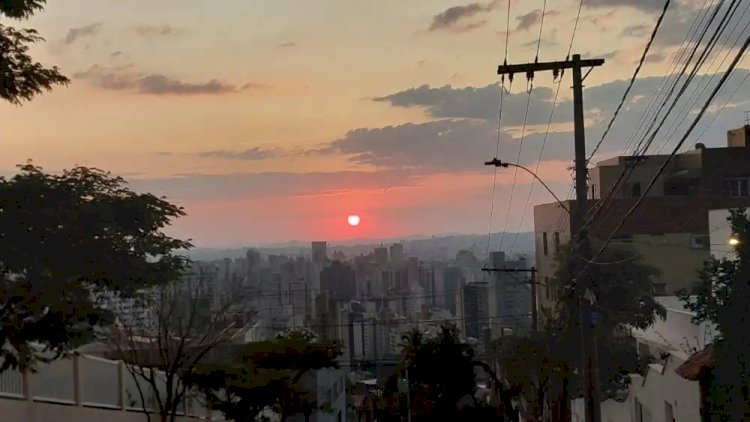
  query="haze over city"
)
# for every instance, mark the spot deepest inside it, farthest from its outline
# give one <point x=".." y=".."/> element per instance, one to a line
<point x="273" y="121"/>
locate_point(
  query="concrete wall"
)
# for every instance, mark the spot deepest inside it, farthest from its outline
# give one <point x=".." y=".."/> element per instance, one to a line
<point x="673" y="254"/>
<point x="612" y="411"/>
<point x="677" y="331"/>
<point x="26" y="411"/>
<point x="662" y="388"/>
<point x="651" y="396"/>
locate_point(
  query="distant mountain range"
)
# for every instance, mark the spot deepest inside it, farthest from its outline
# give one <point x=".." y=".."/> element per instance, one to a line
<point x="442" y="247"/>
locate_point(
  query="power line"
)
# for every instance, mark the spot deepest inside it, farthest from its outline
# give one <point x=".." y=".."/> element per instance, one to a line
<point x="632" y="81"/>
<point x="689" y="39"/>
<point x="689" y="106"/>
<point x="530" y="89"/>
<point x="640" y="152"/>
<point x="708" y="102"/>
<point x="499" y="129"/>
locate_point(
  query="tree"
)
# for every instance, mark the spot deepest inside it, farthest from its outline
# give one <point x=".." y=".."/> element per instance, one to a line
<point x="20" y="77"/>
<point x="546" y="361"/>
<point x="440" y="376"/>
<point x="67" y="241"/>
<point x="266" y="376"/>
<point x="722" y="296"/>
<point x="178" y="328"/>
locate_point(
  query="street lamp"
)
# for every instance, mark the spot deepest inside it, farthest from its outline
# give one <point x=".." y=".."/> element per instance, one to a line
<point x="497" y="163"/>
<point x="734" y="240"/>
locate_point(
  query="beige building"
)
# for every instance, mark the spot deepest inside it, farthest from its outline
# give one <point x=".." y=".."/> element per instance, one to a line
<point x="670" y="229"/>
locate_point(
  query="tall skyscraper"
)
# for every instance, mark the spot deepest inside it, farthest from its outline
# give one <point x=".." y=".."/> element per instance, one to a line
<point x="381" y="256"/>
<point x="320" y="252"/>
<point x="397" y="253"/>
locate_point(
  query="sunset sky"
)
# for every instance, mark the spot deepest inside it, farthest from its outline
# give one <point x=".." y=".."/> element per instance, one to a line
<point x="273" y="120"/>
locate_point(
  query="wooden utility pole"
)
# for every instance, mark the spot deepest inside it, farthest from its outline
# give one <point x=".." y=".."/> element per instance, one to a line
<point x="581" y="249"/>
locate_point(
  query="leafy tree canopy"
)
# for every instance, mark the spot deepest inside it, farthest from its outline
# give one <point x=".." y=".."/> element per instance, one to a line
<point x="66" y="241"/>
<point x="21" y="78"/>
<point x="722" y="296"/>
<point x="623" y="289"/>
<point x="265" y="376"/>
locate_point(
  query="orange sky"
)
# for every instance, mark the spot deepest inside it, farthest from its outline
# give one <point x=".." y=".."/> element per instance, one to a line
<point x="247" y="112"/>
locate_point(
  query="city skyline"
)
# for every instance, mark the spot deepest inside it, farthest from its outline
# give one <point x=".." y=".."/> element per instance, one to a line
<point x="279" y="134"/>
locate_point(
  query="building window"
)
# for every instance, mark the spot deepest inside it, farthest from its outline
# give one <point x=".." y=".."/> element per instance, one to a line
<point x="736" y="187"/>
<point x="546" y="288"/>
<point x="556" y="239"/>
<point x="701" y="242"/>
<point x="545" y="247"/>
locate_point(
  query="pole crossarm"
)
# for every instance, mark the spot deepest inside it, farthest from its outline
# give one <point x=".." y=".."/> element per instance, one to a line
<point x="530" y="68"/>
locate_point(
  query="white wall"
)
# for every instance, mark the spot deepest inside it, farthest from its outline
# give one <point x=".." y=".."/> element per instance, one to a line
<point x="660" y="386"/>
<point x="677" y="331"/>
<point x="24" y="411"/>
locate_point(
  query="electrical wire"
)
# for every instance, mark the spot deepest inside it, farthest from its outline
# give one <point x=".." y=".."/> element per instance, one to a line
<point x="700" y="114"/>
<point x="523" y="133"/>
<point x="632" y="81"/>
<point x="499" y="129"/>
<point x="640" y="152"/>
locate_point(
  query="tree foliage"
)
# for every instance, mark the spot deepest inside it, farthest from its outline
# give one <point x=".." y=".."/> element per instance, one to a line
<point x="65" y="242"/>
<point x="21" y="78"/>
<point x="265" y="376"/>
<point x="177" y="329"/>
<point x="545" y="362"/>
<point x="722" y="296"/>
<point x="623" y="288"/>
<point x="441" y="379"/>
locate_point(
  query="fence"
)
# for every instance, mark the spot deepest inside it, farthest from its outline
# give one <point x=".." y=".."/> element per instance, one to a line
<point x="89" y="381"/>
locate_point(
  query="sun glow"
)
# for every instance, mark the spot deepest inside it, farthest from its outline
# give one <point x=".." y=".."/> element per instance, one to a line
<point x="353" y="220"/>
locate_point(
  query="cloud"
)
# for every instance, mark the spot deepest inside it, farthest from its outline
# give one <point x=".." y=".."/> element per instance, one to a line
<point x="646" y="5"/>
<point x="637" y="31"/>
<point x="454" y="18"/>
<point x="158" y="84"/>
<point x="476" y="103"/>
<point x="252" y="154"/>
<point x="288" y="44"/>
<point x="466" y="129"/>
<point x="239" y="186"/>
<point x="527" y="20"/>
<point x="123" y="79"/>
<point x="75" y="34"/>
<point x="154" y="30"/>
<point x="442" y="146"/>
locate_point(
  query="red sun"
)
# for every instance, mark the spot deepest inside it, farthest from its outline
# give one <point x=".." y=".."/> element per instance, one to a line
<point x="353" y="220"/>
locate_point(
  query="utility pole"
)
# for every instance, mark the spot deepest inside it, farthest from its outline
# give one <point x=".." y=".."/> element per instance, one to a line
<point x="532" y="283"/>
<point x="581" y="250"/>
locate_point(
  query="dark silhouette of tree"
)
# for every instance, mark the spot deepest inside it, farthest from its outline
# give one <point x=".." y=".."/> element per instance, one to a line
<point x="66" y="242"/>
<point x="722" y="296"/>
<point x="266" y="376"/>
<point x="541" y="366"/>
<point x="441" y="377"/>
<point x="179" y="329"/>
<point x="20" y="77"/>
